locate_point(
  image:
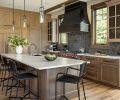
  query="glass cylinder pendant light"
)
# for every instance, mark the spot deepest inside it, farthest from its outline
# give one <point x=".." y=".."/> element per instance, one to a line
<point x="41" y="13"/>
<point x="13" y="23"/>
<point x="24" y="18"/>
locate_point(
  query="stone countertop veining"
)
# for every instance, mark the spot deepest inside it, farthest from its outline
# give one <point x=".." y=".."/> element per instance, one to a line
<point x="39" y="62"/>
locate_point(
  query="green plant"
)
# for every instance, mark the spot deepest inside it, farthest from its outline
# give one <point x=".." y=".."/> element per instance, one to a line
<point x="17" y="41"/>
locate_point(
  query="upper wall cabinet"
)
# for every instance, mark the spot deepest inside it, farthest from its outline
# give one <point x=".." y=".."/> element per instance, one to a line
<point x="6" y="17"/>
<point x="114" y="23"/>
<point x="34" y="20"/>
<point x="49" y="31"/>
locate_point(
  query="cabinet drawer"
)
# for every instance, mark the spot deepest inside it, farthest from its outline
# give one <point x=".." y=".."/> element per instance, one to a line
<point x="110" y="61"/>
<point x="92" y="59"/>
<point x="93" y="66"/>
<point x="92" y="74"/>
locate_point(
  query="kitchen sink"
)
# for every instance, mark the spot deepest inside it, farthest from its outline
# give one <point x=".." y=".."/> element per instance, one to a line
<point x="36" y="55"/>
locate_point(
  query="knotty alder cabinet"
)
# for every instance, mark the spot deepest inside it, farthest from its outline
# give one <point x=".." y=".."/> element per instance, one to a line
<point x="105" y="70"/>
<point x="110" y="71"/>
<point x="93" y="69"/>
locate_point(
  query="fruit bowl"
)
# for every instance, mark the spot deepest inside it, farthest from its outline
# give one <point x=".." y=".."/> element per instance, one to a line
<point x="50" y="57"/>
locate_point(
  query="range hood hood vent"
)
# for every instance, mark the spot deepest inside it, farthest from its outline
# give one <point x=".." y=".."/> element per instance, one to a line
<point x="75" y="18"/>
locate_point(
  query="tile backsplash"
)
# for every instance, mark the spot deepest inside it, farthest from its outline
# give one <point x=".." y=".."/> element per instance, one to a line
<point x="83" y="40"/>
<point x="78" y="40"/>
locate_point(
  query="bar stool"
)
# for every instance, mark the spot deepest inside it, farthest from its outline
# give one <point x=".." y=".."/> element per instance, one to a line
<point x="72" y="79"/>
<point x="6" y="71"/>
<point x="3" y="71"/>
<point x="18" y="77"/>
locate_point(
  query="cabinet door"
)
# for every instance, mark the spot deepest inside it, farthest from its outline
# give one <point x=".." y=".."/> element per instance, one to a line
<point x="109" y="74"/>
<point x="93" y="71"/>
<point x="112" y="11"/>
<point x="112" y="33"/>
<point x="118" y="9"/>
<point x="117" y="33"/>
<point x="34" y="20"/>
<point x="6" y="17"/>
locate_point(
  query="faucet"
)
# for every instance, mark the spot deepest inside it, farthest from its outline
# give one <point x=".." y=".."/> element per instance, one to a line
<point x="32" y="48"/>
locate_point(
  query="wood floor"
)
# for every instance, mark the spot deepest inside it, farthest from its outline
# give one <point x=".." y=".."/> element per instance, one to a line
<point x="96" y="91"/>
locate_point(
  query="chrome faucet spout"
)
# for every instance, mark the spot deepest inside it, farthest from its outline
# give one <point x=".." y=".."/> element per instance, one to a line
<point x="32" y="48"/>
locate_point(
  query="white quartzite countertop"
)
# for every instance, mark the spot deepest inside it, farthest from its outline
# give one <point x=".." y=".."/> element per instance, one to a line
<point x="39" y="62"/>
<point x="100" y="56"/>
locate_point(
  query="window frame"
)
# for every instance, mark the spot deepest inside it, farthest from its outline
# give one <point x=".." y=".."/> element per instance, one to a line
<point x="59" y="19"/>
<point x="93" y="26"/>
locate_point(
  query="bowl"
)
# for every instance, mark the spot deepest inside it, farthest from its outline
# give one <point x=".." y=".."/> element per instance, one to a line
<point x="50" y="58"/>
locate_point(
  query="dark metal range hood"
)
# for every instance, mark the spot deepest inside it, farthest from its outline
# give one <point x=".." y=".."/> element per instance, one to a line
<point x="75" y="18"/>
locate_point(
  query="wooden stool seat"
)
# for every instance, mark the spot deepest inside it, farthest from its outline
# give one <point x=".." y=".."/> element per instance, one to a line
<point x="2" y="97"/>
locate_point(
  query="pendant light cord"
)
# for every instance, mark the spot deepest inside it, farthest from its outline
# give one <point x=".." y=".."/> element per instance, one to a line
<point x="41" y="3"/>
<point x="13" y="11"/>
<point x="24" y="7"/>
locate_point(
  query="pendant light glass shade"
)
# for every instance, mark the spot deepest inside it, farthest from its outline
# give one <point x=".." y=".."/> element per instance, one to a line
<point x="13" y="26"/>
<point x="41" y="13"/>
<point x="24" y="22"/>
<point x="24" y="18"/>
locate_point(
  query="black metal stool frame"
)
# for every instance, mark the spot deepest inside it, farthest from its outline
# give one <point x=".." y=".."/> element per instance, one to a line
<point x="17" y="85"/>
<point x="81" y="76"/>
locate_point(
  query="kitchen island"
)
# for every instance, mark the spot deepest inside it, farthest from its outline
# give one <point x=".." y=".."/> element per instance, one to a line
<point x="47" y="71"/>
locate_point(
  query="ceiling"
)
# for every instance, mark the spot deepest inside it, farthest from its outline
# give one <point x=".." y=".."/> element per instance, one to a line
<point x="32" y="5"/>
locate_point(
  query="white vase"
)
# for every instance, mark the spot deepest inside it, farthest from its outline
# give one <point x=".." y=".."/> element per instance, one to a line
<point x="19" y="49"/>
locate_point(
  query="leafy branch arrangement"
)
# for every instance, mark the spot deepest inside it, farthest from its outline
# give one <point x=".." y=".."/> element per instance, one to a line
<point x="15" y="41"/>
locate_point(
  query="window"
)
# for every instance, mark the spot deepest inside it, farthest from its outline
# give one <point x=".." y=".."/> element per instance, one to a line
<point x="63" y="37"/>
<point x="101" y="26"/>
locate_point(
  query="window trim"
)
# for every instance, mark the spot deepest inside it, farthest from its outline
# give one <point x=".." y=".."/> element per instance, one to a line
<point x="93" y="26"/>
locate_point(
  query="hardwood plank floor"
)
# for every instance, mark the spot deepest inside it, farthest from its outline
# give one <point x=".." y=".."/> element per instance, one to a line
<point x="96" y="91"/>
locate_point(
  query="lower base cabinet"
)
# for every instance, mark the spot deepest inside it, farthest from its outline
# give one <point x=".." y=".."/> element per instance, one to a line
<point x="110" y="74"/>
<point x="110" y="71"/>
<point x="104" y="70"/>
<point x="93" y="71"/>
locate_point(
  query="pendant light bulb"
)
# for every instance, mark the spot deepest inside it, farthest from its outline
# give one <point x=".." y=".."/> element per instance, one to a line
<point x="13" y="26"/>
<point x="13" y="23"/>
<point x="24" y="22"/>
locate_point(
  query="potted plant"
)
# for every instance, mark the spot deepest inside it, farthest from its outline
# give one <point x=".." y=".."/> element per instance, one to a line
<point x="18" y="43"/>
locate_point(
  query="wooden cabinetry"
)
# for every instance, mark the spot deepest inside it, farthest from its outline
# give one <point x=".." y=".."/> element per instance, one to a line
<point x="103" y="69"/>
<point x="50" y="31"/>
<point x="93" y="69"/>
<point x="110" y="71"/>
<point x="114" y="23"/>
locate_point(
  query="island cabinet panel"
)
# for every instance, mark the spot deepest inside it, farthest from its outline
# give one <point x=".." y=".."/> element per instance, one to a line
<point x="110" y="71"/>
<point x="70" y="88"/>
<point x="52" y="76"/>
